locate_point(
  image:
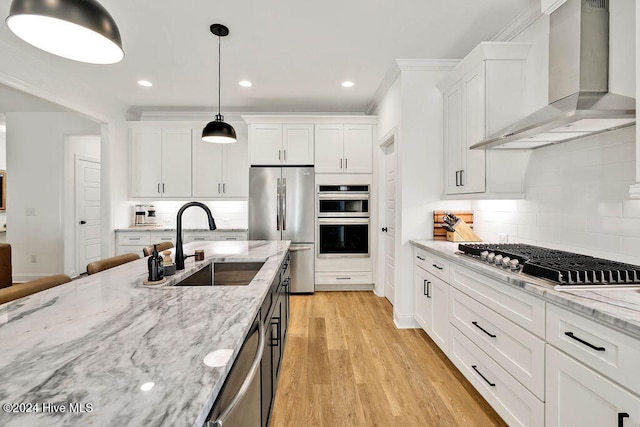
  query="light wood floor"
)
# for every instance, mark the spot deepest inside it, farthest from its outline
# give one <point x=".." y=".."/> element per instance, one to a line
<point x="346" y="364"/>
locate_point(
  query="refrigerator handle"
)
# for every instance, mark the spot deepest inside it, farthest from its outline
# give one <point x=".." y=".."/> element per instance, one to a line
<point x="278" y="205"/>
<point x="284" y="203"/>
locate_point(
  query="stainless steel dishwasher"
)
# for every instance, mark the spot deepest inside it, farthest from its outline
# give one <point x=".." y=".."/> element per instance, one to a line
<point x="238" y="404"/>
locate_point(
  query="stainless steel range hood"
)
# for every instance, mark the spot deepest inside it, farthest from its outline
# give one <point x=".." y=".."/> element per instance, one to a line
<point x="580" y="103"/>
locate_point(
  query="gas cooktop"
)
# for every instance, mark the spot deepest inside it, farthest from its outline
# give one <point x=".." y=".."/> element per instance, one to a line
<point x="566" y="269"/>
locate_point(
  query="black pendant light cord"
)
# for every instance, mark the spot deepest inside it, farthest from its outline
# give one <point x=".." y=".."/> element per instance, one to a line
<point x="219" y="78"/>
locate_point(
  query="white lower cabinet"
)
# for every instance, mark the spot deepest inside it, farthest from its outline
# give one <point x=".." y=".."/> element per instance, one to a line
<point x="132" y="242"/>
<point x="136" y="241"/>
<point x="579" y="396"/>
<point x="515" y="404"/>
<point x="431" y="296"/>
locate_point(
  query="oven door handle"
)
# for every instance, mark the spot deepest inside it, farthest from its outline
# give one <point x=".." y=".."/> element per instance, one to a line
<point x="327" y="196"/>
<point x="345" y="221"/>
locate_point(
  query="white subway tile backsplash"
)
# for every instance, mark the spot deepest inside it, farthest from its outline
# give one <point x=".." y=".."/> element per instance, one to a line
<point x="576" y="200"/>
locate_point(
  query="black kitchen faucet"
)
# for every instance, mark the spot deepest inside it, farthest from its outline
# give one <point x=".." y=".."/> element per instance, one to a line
<point x="180" y="257"/>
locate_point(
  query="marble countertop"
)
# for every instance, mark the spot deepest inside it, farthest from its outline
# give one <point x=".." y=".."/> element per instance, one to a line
<point x="95" y="341"/>
<point x="619" y="308"/>
<point x="168" y="228"/>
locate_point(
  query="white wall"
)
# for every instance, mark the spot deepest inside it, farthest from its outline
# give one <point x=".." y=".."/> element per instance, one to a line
<point x="35" y="159"/>
<point x="414" y="105"/>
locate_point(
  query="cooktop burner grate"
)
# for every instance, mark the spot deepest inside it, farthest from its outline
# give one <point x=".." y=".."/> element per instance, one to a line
<point x="565" y="268"/>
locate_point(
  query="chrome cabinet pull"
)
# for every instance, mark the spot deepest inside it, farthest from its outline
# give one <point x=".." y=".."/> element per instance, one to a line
<point x="457" y="178"/>
<point x="475" y="368"/>
<point x="158" y="187"/>
<point x="580" y="340"/>
<point x="461" y="180"/>
<point x="163" y="187"/>
<point x="224" y="188"/>
<point x="483" y="330"/>
<point x="346" y="163"/>
<point x="218" y="188"/>
<point x="285" y="155"/>
<point x="279" y="154"/>
<point x="343" y="278"/>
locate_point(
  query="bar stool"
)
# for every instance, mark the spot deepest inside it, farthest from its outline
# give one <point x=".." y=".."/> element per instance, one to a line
<point x="107" y="263"/>
<point x="161" y="247"/>
<point x="19" y="290"/>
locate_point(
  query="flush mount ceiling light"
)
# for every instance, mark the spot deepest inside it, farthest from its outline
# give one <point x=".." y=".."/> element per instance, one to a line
<point x="145" y="83"/>
<point x="347" y="84"/>
<point x="218" y="131"/>
<point x="81" y="30"/>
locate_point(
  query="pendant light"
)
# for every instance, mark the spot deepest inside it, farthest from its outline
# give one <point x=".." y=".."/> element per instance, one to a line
<point x="81" y="30"/>
<point x="218" y="131"/>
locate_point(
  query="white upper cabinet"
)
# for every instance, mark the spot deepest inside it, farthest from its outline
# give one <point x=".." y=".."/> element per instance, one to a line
<point x="160" y="162"/>
<point x="482" y="95"/>
<point x="219" y="170"/>
<point x="343" y="148"/>
<point x="281" y="144"/>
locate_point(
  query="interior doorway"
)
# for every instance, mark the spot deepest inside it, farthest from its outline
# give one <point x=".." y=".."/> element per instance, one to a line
<point x="88" y="247"/>
<point x="387" y="214"/>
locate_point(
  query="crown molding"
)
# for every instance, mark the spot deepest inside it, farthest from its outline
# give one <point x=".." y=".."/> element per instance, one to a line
<point x="519" y="23"/>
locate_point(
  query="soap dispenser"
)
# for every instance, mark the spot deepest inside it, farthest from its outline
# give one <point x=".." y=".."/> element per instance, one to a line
<point x="156" y="270"/>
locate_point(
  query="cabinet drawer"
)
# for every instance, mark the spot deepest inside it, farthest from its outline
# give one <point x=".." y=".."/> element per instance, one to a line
<point x="515" y="404"/>
<point x="344" y="277"/>
<point x="130" y="249"/>
<point x="135" y="238"/>
<point x="432" y="264"/>
<point x="616" y="355"/>
<point x="163" y="237"/>
<point x="521" y="308"/>
<point x="199" y="236"/>
<point x="519" y="352"/>
<point x="231" y="235"/>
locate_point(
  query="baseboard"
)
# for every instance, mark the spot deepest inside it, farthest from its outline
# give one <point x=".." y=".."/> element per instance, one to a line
<point x="405" y="321"/>
<point x="339" y="287"/>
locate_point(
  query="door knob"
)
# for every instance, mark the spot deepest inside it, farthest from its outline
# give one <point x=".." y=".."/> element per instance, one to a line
<point x="83" y="222"/>
<point x="384" y="229"/>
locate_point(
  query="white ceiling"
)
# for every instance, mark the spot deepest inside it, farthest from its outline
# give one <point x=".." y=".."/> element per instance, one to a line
<point x="295" y="52"/>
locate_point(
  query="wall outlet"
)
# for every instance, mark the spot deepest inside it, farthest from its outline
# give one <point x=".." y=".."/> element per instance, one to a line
<point x="34" y="259"/>
<point x="503" y="238"/>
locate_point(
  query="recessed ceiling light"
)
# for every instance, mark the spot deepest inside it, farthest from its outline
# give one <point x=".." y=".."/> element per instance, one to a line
<point x="245" y="83"/>
<point x="347" y="84"/>
<point x="145" y="83"/>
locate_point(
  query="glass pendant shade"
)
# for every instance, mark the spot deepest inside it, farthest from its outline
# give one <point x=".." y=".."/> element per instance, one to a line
<point x="219" y="132"/>
<point x="81" y="30"/>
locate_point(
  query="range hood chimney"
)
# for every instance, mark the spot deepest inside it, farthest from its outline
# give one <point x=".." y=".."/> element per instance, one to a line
<point x="580" y="103"/>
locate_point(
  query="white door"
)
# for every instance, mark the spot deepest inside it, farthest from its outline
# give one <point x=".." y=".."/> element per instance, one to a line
<point x="390" y="222"/>
<point x="87" y="212"/>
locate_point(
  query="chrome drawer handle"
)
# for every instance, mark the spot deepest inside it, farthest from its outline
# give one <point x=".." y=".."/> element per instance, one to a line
<point x="588" y="344"/>
<point x="475" y="368"/>
<point x="483" y="330"/>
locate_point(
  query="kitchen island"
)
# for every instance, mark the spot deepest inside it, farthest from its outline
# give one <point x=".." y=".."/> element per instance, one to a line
<point x="94" y="346"/>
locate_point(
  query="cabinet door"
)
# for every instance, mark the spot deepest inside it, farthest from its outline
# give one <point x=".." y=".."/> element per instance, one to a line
<point x="146" y="160"/>
<point x="265" y="144"/>
<point x="578" y="396"/>
<point x="358" y="141"/>
<point x="297" y="144"/>
<point x="328" y="148"/>
<point x="439" y="292"/>
<point x="453" y="139"/>
<point x="422" y="298"/>
<point x="472" y="174"/>
<point x="176" y="163"/>
<point x="235" y="170"/>
<point x="207" y="167"/>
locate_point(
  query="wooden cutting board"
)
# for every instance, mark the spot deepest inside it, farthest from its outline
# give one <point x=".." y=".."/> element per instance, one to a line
<point x="440" y="233"/>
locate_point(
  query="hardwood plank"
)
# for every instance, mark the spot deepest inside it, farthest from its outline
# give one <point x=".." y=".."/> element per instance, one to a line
<point x="346" y="364"/>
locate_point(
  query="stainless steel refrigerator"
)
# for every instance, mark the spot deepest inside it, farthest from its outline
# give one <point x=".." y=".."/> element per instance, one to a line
<point x="282" y="207"/>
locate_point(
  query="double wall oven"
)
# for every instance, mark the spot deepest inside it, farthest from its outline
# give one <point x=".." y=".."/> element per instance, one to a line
<point x="343" y="221"/>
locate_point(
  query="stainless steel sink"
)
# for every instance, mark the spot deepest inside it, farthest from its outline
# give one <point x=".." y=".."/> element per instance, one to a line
<point x="224" y="274"/>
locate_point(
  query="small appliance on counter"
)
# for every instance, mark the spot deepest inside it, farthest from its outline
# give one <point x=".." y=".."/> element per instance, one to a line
<point x="140" y="215"/>
<point x="151" y="215"/>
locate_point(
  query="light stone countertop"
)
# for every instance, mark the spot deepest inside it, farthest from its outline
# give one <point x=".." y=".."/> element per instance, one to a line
<point x="96" y="340"/>
<point x="168" y="228"/>
<point x="619" y="308"/>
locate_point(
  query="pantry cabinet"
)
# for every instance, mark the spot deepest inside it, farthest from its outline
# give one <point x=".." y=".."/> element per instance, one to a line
<point x="160" y="162"/>
<point x="219" y="170"/>
<point x="343" y="148"/>
<point x="281" y="144"/>
<point x="483" y="94"/>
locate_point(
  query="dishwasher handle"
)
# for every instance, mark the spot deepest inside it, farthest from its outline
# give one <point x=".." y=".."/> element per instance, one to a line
<point x="220" y="422"/>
